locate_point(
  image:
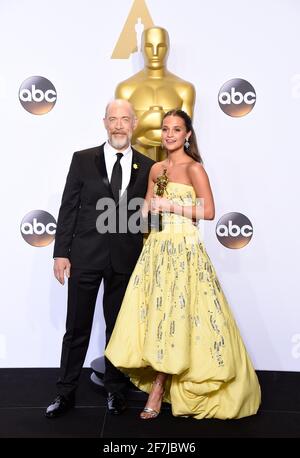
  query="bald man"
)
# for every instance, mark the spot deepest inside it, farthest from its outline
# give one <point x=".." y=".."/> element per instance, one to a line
<point x="92" y="245"/>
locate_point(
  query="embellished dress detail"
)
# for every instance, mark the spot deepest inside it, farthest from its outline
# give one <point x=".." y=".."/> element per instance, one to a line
<point x="175" y="319"/>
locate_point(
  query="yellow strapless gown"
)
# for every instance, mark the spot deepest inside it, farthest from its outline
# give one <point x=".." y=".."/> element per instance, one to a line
<point x="175" y="319"/>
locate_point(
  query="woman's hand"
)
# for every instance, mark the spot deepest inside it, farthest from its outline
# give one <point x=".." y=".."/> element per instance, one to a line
<point x="161" y="204"/>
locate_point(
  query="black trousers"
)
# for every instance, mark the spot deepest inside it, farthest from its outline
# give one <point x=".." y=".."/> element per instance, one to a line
<point x="83" y="287"/>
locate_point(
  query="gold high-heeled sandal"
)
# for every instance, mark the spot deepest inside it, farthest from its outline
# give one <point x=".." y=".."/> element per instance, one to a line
<point x="148" y="410"/>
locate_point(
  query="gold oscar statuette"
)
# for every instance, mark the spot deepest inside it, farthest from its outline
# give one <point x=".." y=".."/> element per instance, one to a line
<point x="153" y="91"/>
<point x="156" y="217"/>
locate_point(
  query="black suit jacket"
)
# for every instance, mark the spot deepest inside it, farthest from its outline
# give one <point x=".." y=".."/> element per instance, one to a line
<point x="77" y="237"/>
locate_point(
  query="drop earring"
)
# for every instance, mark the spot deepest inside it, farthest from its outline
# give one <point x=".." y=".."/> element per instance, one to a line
<point x="186" y="143"/>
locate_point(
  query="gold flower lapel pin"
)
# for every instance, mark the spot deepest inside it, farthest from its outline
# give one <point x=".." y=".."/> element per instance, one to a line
<point x="136" y="166"/>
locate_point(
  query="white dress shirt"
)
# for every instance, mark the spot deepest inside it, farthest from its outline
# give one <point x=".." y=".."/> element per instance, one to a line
<point x="110" y="156"/>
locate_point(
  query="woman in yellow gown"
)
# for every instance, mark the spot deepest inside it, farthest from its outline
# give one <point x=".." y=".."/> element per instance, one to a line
<point x="175" y="335"/>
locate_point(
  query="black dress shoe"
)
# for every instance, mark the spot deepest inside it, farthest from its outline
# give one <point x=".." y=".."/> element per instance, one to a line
<point x="59" y="406"/>
<point x="116" y="403"/>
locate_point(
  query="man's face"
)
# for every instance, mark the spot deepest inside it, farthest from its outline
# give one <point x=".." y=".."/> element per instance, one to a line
<point x="155" y="47"/>
<point x="119" y="122"/>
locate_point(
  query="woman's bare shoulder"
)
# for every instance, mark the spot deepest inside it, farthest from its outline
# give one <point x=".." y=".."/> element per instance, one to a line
<point x="195" y="168"/>
<point x="196" y="172"/>
<point x="158" y="167"/>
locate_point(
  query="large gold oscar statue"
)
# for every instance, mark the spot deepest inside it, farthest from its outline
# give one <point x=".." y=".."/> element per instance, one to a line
<point x="153" y="91"/>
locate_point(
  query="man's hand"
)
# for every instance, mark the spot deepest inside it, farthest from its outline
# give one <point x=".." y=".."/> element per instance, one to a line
<point x="62" y="267"/>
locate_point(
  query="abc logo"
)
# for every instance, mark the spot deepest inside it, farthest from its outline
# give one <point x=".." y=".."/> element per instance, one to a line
<point x="237" y="97"/>
<point x="37" y="95"/>
<point x="38" y="228"/>
<point x="234" y="230"/>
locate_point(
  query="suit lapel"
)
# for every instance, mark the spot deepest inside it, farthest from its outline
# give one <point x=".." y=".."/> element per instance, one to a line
<point x="134" y="173"/>
<point x="100" y="163"/>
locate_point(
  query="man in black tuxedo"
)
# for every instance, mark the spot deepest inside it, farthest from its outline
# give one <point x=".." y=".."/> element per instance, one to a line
<point x="86" y="254"/>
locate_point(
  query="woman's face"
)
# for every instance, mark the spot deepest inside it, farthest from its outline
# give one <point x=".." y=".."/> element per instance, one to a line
<point x="174" y="133"/>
